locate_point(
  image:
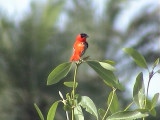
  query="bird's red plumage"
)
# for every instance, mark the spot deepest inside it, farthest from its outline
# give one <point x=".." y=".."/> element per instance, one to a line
<point x="79" y="47"/>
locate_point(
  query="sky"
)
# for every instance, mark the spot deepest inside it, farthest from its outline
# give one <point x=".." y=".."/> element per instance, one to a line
<point x="132" y="10"/>
<point x="17" y="9"/>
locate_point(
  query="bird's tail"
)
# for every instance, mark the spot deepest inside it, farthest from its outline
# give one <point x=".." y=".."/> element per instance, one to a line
<point x="74" y="57"/>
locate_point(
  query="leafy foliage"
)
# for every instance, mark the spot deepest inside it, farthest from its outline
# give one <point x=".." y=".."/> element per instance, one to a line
<point x="127" y="115"/>
<point x="74" y="102"/>
<point x="138" y="58"/>
<point x="78" y="113"/>
<point x="89" y="105"/>
<point x="39" y="112"/>
<point x="58" y="73"/>
<point x="70" y="84"/>
<point x="101" y="112"/>
<point x="107" y="75"/>
<point x="107" y="66"/>
<point x="115" y="107"/>
<point x="52" y="111"/>
<point x="154" y="101"/>
<point x="138" y="91"/>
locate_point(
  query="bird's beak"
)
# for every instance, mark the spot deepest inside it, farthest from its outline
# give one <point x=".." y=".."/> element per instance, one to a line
<point x="87" y="36"/>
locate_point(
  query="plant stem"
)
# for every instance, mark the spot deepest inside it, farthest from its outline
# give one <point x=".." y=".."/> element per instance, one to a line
<point x="73" y="91"/>
<point x="150" y="77"/>
<point x="72" y="113"/>
<point x="128" y="106"/>
<point x="67" y="115"/>
<point x="148" y="88"/>
<point x="74" y="81"/>
<point x="109" y="104"/>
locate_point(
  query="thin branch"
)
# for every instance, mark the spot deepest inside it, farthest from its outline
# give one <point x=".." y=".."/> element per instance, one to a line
<point x="128" y="106"/>
<point x="67" y="115"/>
<point x="109" y="104"/>
<point x="73" y="91"/>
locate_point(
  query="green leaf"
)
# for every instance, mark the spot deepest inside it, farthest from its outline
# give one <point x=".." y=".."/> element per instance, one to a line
<point x="138" y="91"/>
<point x="68" y="96"/>
<point x="107" y="66"/>
<point x="39" y="112"/>
<point x="89" y="105"/>
<point x="115" y="85"/>
<point x="138" y="58"/>
<point x="153" y="112"/>
<point x="106" y="75"/>
<point x="115" y="104"/>
<point x="127" y="115"/>
<point x="67" y="107"/>
<point x="101" y="112"/>
<point x="155" y="63"/>
<point x="109" y="62"/>
<point x="58" y="73"/>
<point x="52" y="111"/>
<point x="70" y="84"/>
<point x="78" y="113"/>
<point x="148" y="104"/>
<point x="154" y="100"/>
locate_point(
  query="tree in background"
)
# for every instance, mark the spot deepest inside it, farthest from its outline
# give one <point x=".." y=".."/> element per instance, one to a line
<point x="30" y="49"/>
<point x="27" y="55"/>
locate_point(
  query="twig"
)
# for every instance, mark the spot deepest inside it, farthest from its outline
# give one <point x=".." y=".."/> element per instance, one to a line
<point x="109" y="104"/>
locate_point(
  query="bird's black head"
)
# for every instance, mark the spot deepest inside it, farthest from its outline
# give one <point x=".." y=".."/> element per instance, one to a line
<point x="84" y="35"/>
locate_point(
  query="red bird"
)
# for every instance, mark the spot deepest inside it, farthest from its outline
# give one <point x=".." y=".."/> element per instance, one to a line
<point x="79" y="47"/>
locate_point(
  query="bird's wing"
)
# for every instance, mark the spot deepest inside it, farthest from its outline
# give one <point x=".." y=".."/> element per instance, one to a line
<point x="73" y="51"/>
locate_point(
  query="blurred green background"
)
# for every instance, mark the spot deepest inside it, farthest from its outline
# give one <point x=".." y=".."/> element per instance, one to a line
<point x="41" y="38"/>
